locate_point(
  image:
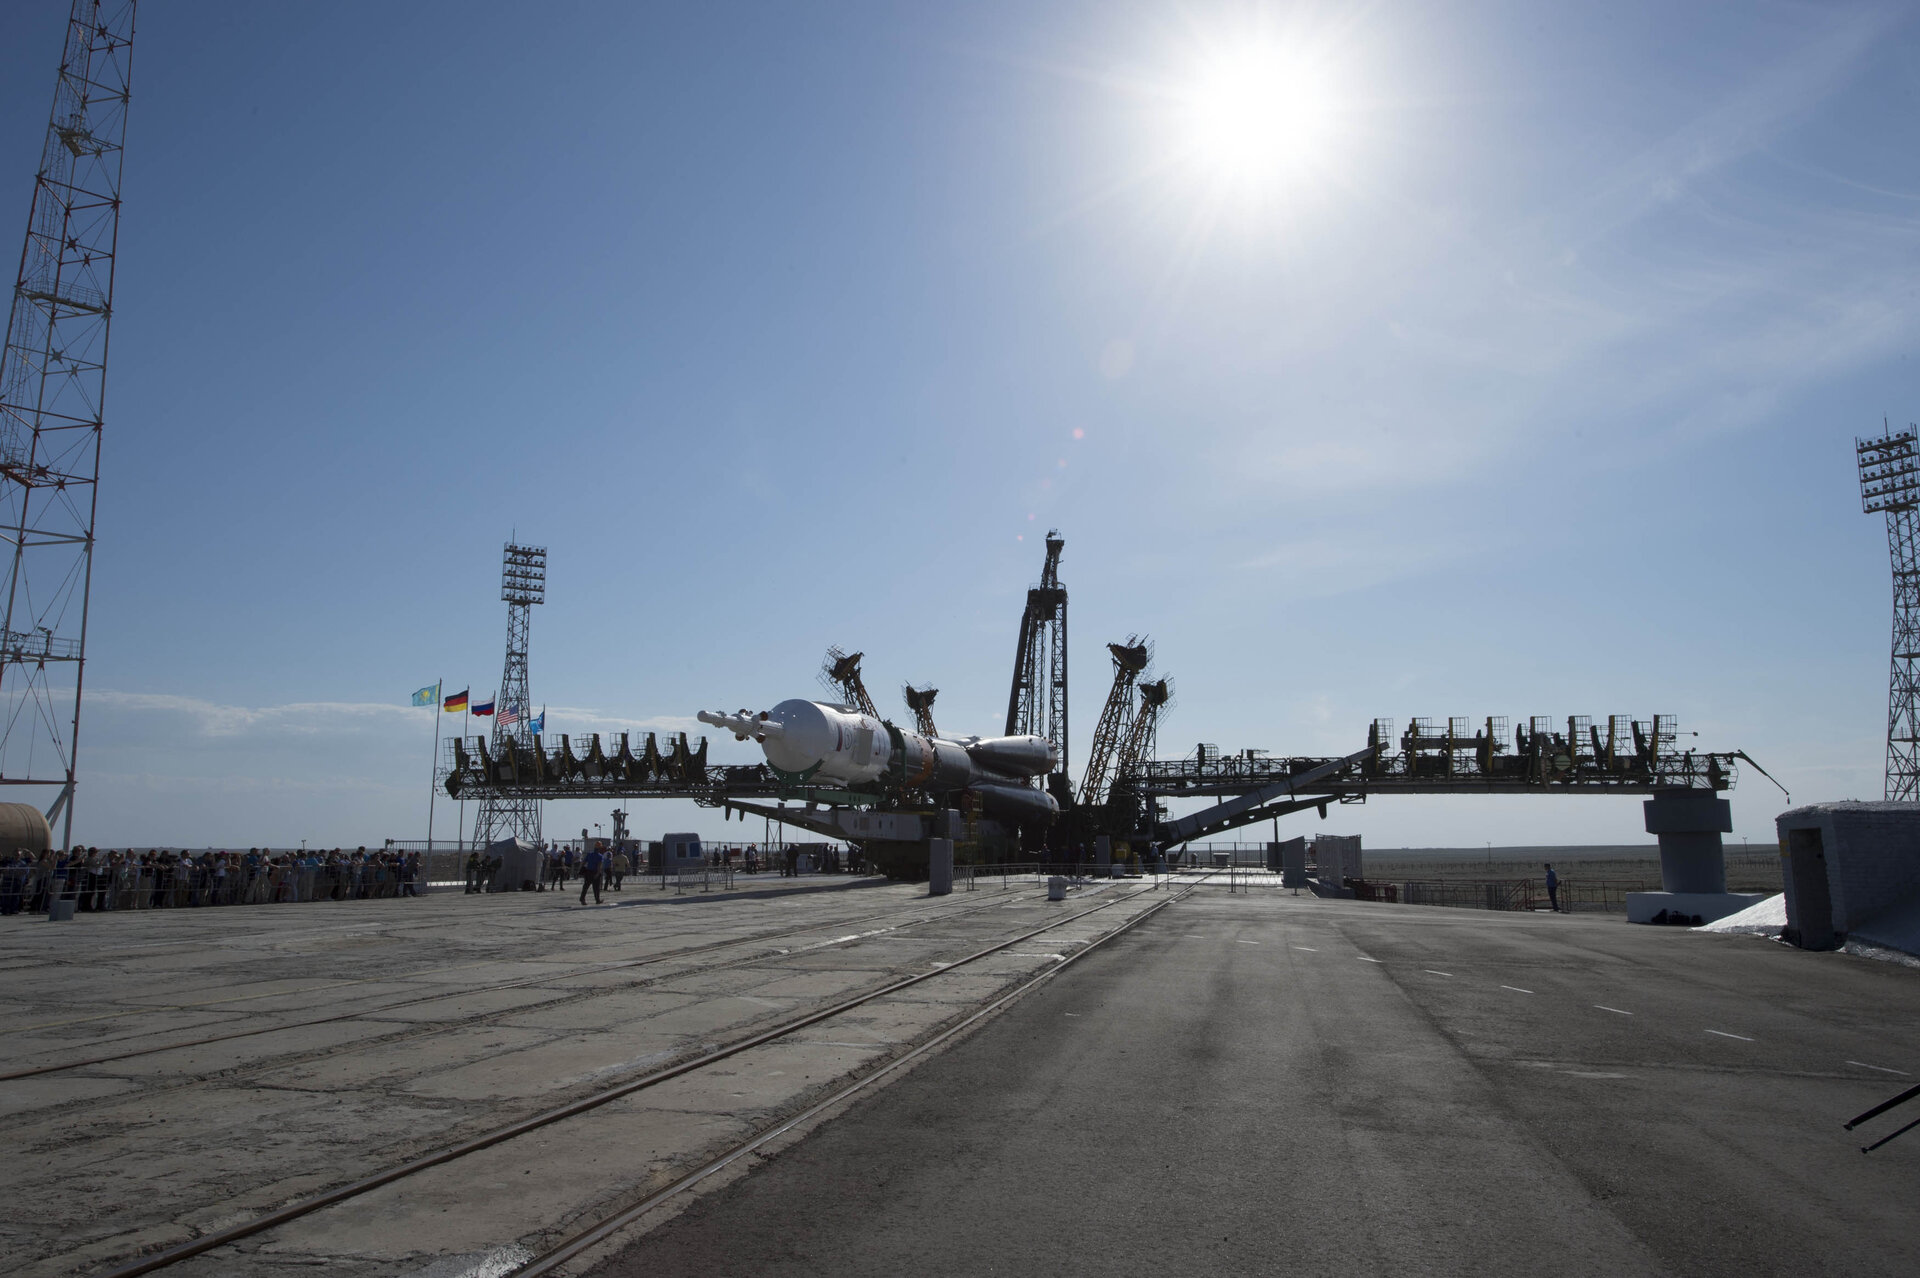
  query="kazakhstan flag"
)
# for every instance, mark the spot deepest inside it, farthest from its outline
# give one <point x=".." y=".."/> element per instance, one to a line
<point x="427" y="696"/>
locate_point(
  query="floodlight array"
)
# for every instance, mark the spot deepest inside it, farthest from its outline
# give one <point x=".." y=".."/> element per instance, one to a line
<point x="1889" y="472"/>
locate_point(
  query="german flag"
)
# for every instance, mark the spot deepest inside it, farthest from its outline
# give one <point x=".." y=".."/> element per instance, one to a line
<point x="457" y="703"/>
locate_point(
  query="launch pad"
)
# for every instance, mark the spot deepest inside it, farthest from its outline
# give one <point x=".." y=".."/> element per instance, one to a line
<point x="849" y="773"/>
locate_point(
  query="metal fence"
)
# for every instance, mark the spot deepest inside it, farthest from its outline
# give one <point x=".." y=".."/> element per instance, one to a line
<point x="1576" y="896"/>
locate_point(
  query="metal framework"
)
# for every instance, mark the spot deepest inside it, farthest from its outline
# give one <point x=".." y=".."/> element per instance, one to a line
<point x="1462" y="758"/>
<point x="920" y="702"/>
<point x="53" y="375"/>
<point x="840" y="673"/>
<point x="503" y="813"/>
<point x="1156" y="698"/>
<point x="1037" y="705"/>
<point x="1130" y="659"/>
<point x="1890" y="485"/>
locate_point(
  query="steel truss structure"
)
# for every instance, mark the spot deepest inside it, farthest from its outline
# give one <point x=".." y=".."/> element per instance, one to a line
<point x="1037" y="704"/>
<point x="53" y="374"/>
<point x="920" y="705"/>
<point x="507" y="813"/>
<point x="1890" y="485"/>
<point x="1130" y="660"/>
<point x="1463" y="758"/>
<point x="840" y="675"/>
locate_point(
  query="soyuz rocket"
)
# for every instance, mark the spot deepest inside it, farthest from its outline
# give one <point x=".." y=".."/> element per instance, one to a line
<point x="811" y="740"/>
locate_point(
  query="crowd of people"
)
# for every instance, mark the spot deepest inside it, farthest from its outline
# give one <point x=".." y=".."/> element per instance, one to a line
<point x="101" y="879"/>
<point x="98" y="879"/>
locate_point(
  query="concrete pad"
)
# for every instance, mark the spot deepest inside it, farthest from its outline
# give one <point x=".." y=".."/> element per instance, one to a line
<point x="356" y="1071"/>
<point x="211" y="1058"/>
<point x="511" y="1190"/>
<point x="778" y="1076"/>
<point x="612" y="1011"/>
<point x="21" y="1049"/>
<point x="457" y="1007"/>
<point x="23" y="1095"/>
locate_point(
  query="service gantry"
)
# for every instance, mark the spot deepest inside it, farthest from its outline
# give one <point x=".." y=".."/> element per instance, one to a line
<point x="1037" y="705"/>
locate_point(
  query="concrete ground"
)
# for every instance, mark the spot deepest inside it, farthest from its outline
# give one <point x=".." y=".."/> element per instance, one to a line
<point x="1246" y="1082"/>
<point x="452" y="1015"/>
<point x="1256" y="1083"/>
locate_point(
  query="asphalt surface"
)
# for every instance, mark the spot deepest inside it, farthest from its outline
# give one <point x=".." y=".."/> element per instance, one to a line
<point x="1258" y="1083"/>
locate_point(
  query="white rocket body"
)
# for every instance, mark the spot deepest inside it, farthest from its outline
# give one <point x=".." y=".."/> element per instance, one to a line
<point x="832" y="743"/>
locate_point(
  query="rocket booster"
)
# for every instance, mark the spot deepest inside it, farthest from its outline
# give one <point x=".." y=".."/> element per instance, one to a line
<point x="832" y="743"/>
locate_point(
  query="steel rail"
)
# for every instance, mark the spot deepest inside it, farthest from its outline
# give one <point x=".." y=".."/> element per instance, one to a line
<point x="595" y="1234"/>
<point x="543" y="978"/>
<point x="486" y="1140"/>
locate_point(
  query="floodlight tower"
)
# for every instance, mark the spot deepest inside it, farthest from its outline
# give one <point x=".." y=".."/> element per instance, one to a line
<point x="523" y="583"/>
<point x="1890" y="483"/>
<point x="53" y="377"/>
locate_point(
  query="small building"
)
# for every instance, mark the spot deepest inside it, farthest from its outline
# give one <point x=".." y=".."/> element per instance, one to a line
<point x="1852" y="873"/>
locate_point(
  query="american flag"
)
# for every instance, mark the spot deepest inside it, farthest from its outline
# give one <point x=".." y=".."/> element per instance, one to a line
<point x="509" y="715"/>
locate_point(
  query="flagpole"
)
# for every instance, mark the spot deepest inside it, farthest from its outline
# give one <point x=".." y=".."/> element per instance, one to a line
<point x="466" y="718"/>
<point x="433" y="760"/>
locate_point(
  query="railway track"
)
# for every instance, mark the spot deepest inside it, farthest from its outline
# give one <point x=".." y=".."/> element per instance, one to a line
<point x="543" y="978"/>
<point x="583" y="1239"/>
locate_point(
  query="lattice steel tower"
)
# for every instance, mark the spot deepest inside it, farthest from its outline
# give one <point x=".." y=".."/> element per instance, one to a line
<point x="1890" y="483"/>
<point x="53" y="374"/>
<point x="523" y="583"/>
<point x="1037" y="704"/>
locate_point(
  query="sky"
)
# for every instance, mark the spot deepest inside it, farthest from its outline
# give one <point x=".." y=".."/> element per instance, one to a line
<point x="1375" y="359"/>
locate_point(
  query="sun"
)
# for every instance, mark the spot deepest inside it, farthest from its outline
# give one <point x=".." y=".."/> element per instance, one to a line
<point x="1256" y="116"/>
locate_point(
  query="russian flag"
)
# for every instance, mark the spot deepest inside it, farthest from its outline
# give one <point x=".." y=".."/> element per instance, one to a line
<point x="484" y="708"/>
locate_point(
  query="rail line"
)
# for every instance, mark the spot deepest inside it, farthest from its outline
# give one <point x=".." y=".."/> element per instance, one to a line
<point x="522" y="982"/>
<point x="582" y="1240"/>
<point x="450" y="1153"/>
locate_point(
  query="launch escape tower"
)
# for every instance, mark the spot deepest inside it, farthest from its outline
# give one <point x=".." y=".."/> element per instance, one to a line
<point x="523" y="583"/>
<point x="1890" y="484"/>
<point x="1037" y="706"/>
<point x="53" y="374"/>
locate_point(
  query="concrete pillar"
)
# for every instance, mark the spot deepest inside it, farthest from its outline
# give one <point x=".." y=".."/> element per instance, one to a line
<point x="1689" y="824"/>
<point x="939" y="867"/>
<point x="1103" y="855"/>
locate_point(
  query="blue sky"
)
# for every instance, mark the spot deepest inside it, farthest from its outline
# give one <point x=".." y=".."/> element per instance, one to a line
<point x="1530" y="388"/>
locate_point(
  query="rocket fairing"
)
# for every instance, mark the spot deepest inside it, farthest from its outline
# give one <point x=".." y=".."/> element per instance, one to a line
<point x="833" y="743"/>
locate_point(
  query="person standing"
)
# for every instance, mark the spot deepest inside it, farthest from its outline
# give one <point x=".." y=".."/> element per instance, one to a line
<point x="622" y="866"/>
<point x="1553" y="889"/>
<point x="592" y="866"/>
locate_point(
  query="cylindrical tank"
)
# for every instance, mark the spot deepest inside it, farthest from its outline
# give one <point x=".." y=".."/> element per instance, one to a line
<point x="928" y="763"/>
<point x="1020" y="756"/>
<point x="1017" y="801"/>
<point x="831" y="743"/>
<point x="23" y="829"/>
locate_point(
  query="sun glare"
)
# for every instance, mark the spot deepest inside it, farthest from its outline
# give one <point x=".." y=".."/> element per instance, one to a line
<point x="1256" y="116"/>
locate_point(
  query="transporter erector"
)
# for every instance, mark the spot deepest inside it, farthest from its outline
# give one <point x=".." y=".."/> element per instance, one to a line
<point x="813" y="742"/>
